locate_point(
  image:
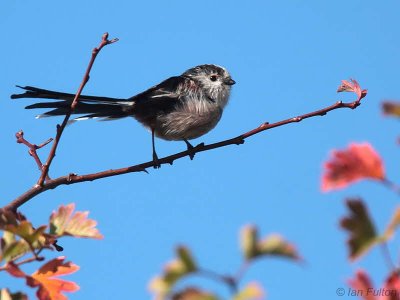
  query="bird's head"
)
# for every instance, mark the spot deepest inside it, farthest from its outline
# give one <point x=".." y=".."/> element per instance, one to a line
<point x="215" y="81"/>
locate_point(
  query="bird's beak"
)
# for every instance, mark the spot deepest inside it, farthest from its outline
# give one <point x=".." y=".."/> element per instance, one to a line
<point x="229" y="81"/>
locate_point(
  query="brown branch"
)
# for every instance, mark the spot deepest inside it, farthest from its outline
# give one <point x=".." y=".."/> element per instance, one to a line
<point x="32" y="149"/>
<point x="60" y="128"/>
<point x="229" y="281"/>
<point x="74" y="178"/>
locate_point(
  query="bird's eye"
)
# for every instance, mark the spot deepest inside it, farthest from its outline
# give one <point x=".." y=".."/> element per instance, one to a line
<point x="213" y="78"/>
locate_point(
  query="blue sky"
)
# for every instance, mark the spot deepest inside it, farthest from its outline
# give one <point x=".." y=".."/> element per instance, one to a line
<point x="287" y="57"/>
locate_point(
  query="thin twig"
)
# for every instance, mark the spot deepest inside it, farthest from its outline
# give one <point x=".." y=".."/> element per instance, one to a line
<point x="24" y="261"/>
<point x="391" y="185"/>
<point x="228" y="280"/>
<point x="74" y="178"/>
<point x="60" y="128"/>
<point x="242" y="270"/>
<point x="32" y="149"/>
<point x="388" y="258"/>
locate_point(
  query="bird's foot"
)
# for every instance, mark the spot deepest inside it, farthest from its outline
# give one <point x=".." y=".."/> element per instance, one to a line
<point x="156" y="162"/>
<point x="192" y="150"/>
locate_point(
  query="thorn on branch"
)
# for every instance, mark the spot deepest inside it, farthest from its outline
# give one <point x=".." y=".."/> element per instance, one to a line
<point x="193" y="150"/>
<point x="240" y="141"/>
<point x="104" y="37"/>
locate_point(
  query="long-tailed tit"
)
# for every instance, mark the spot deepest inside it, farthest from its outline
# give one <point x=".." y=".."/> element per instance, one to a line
<point x="180" y="108"/>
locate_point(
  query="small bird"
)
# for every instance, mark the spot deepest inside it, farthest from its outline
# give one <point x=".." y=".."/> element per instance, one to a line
<point x="180" y="108"/>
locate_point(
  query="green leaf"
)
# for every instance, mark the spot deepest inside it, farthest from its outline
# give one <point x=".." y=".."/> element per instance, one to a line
<point x="174" y="270"/>
<point x="192" y="293"/>
<point x="6" y="295"/>
<point x="248" y="241"/>
<point x="275" y="245"/>
<point x="186" y="258"/>
<point x="360" y="227"/>
<point x="391" y="108"/>
<point x="252" y="291"/>
<point x="160" y="287"/>
<point x="65" y="223"/>
<point x="14" y="250"/>
<point x="26" y="231"/>
<point x="8" y="237"/>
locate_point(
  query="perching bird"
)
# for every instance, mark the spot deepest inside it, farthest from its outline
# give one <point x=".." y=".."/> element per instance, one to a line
<point x="180" y="108"/>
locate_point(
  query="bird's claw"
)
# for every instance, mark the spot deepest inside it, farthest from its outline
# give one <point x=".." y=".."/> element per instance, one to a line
<point x="156" y="163"/>
<point x="193" y="150"/>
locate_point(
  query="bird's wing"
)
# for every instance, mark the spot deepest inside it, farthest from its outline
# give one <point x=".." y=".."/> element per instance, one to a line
<point x="163" y="96"/>
<point x="170" y="88"/>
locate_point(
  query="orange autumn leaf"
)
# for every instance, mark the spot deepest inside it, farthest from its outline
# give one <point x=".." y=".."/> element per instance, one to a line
<point x="357" y="162"/>
<point x="46" y="278"/>
<point x="51" y="287"/>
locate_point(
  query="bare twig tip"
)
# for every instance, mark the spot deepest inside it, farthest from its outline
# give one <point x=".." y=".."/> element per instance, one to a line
<point x="45" y="143"/>
<point x="105" y="36"/>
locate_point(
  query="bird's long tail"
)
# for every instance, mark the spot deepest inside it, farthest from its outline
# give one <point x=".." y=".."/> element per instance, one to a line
<point x="88" y="106"/>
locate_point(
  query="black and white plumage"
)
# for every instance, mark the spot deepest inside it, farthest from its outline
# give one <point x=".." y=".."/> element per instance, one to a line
<point x="182" y="107"/>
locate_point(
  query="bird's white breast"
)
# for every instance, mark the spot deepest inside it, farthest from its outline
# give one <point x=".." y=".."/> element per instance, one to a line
<point x="192" y="119"/>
